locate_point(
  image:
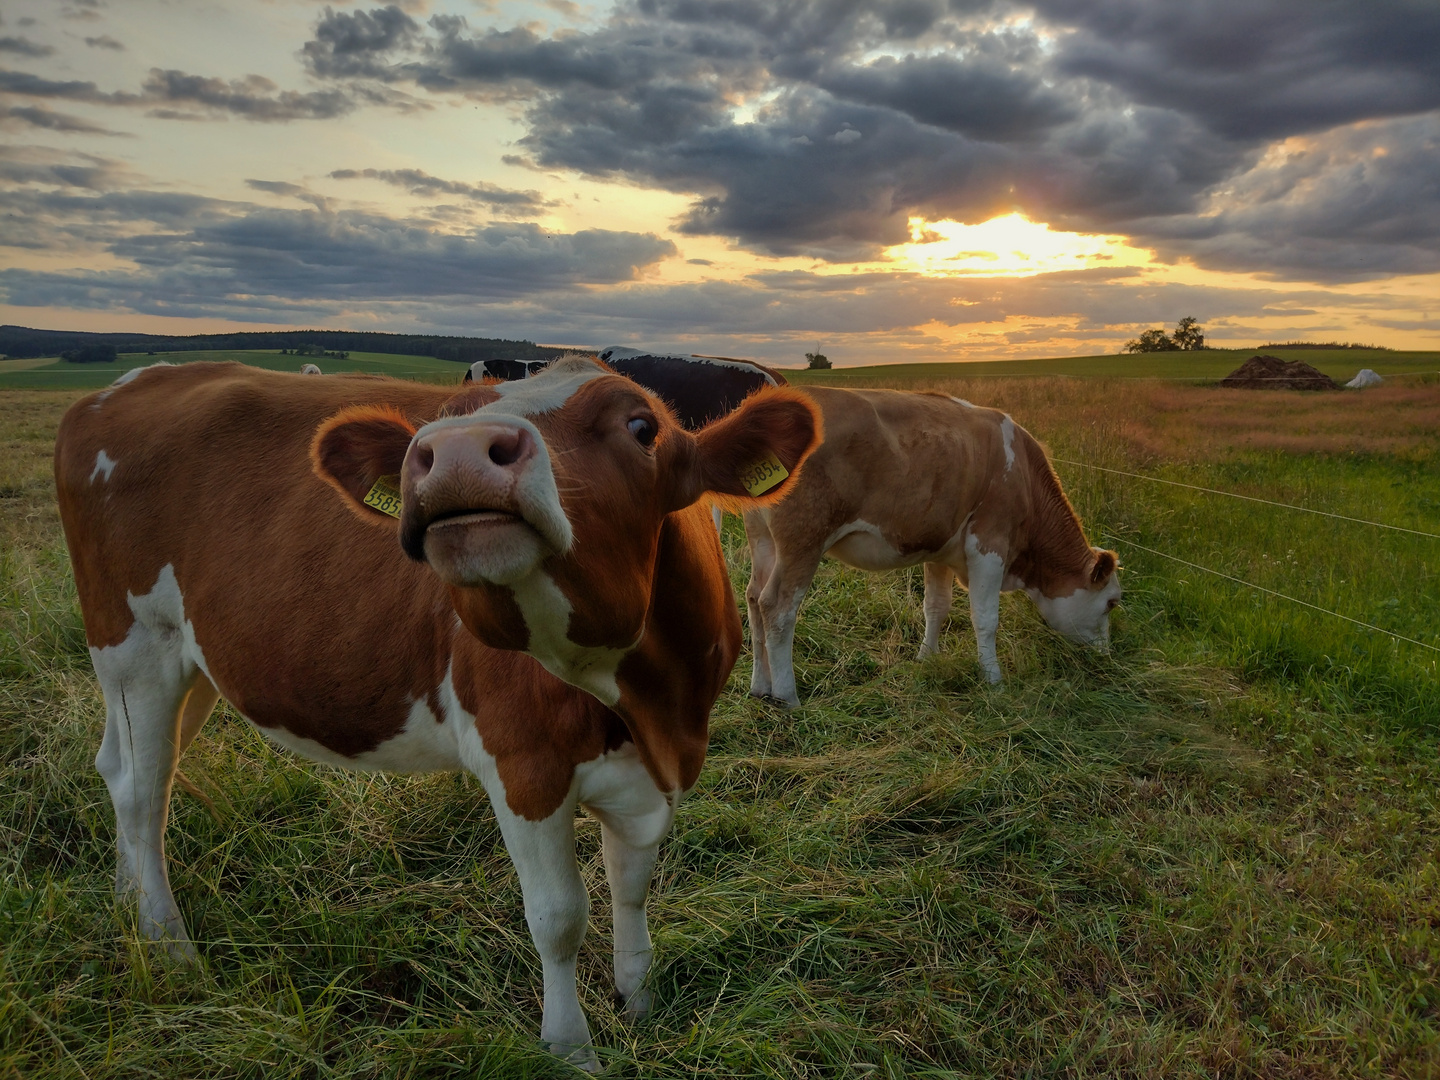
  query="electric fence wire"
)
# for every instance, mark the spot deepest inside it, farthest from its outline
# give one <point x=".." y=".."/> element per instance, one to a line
<point x="1250" y="498"/>
<point x="1272" y="592"/>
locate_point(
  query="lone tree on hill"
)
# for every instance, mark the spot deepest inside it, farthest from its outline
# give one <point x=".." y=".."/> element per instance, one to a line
<point x="817" y="360"/>
<point x="1187" y="338"/>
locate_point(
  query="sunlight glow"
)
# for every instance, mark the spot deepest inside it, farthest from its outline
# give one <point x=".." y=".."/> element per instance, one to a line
<point x="1008" y="246"/>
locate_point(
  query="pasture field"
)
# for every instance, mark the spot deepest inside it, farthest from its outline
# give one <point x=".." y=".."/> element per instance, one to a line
<point x="1214" y="852"/>
<point x="1208" y="365"/>
<point x="52" y="373"/>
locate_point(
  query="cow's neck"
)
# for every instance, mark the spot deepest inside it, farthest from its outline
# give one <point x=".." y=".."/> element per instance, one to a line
<point x="1055" y="554"/>
<point x="669" y="682"/>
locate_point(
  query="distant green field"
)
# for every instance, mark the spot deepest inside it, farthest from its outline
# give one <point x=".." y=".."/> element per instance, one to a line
<point x="52" y="373"/>
<point x="1204" y="366"/>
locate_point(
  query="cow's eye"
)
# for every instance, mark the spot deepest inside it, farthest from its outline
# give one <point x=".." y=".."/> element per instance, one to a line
<point x="643" y="430"/>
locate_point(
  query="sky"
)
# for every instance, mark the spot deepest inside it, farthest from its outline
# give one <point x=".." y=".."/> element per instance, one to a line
<point x="895" y="180"/>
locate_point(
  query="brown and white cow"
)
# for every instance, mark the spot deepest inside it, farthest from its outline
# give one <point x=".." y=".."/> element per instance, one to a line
<point x="905" y="478"/>
<point x="561" y="626"/>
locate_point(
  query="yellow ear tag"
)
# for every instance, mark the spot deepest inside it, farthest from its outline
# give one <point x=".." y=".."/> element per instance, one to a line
<point x="385" y="496"/>
<point x="760" y="476"/>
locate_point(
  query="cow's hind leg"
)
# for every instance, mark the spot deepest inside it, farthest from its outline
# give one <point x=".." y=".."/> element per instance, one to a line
<point x="762" y="564"/>
<point x="779" y="607"/>
<point x="146" y="680"/>
<point x="939" y="593"/>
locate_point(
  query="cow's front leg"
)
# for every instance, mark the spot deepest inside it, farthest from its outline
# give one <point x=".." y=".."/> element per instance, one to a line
<point x="634" y="817"/>
<point x="986" y="571"/>
<point x="557" y="910"/>
<point x="628" y="869"/>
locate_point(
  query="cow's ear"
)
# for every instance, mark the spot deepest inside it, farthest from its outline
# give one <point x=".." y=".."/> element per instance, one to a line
<point x="359" y="451"/>
<point x="753" y="456"/>
<point x="1106" y="563"/>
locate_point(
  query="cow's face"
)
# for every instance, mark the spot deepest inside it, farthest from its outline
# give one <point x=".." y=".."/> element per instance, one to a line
<point x="540" y="503"/>
<point x="1083" y="615"/>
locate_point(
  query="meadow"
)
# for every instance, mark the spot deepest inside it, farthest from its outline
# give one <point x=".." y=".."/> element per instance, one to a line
<point x="1213" y="852"/>
<point x="53" y="373"/>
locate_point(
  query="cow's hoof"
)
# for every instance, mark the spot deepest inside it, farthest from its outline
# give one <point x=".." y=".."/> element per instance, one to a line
<point x="582" y="1057"/>
<point x="635" y="1005"/>
<point x="783" y="702"/>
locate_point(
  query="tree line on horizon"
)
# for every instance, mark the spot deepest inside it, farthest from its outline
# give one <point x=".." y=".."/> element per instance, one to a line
<point x="23" y="342"/>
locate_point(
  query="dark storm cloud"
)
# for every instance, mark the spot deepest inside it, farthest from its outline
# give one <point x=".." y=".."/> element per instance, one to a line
<point x="252" y="98"/>
<point x="1258" y="68"/>
<point x="355" y="44"/>
<point x="24" y="47"/>
<point x="188" y="254"/>
<point x="1117" y="115"/>
<point x="35" y="116"/>
<point x="23" y="83"/>
<point x="501" y="200"/>
<point x="179" y="95"/>
<point x="1362" y="202"/>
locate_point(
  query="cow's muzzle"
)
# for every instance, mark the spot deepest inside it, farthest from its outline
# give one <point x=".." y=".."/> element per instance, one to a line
<point x="479" y="500"/>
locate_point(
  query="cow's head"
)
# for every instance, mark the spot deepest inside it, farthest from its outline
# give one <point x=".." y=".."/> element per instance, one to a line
<point x="1083" y="614"/>
<point x="540" y="503"/>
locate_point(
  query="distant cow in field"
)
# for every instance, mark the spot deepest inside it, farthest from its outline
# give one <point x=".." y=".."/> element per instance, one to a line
<point x="514" y="579"/>
<point x="504" y="370"/>
<point x="698" y="388"/>
<point x="907" y="478"/>
<point x="309" y="369"/>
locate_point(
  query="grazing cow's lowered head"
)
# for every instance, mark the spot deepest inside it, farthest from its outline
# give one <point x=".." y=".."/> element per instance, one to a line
<point x="541" y="502"/>
<point x="1082" y="613"/>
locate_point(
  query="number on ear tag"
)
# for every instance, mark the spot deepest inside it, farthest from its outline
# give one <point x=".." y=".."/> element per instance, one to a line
<point x="385" y="496"/>
<point x="760" y="476"/>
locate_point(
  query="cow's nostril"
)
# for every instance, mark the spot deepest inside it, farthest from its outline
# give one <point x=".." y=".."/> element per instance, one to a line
<point x="424" y="460"/>
<point x="508" y="447"/>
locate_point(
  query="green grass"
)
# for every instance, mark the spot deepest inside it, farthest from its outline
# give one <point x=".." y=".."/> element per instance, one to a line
<point x="1213" y="852"/>
<point x="52" y="373"/>
<point x="1208" y="365"/>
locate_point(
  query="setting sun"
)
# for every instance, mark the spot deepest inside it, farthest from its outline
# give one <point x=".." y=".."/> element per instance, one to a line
<point x="1008" y="246"/>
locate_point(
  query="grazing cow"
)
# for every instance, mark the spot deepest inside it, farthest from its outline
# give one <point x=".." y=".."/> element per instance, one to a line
<point x="561" y="626"/>
<point x="504" y="370"/>
<point x="906" y="478"/>
<point x="309" y="369"/>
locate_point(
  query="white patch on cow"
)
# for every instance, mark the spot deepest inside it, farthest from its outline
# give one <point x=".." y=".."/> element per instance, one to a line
<point x="133" y="373"/>
<point x="1007" y="437"/>
<point x="309" y="369"/>
<point x="535" y="491"/>
<point x="145" y="679"/>
<point x="962" y="401"/>
<point x="616" y="352"/>
<point x="104" y="466"/>
<point x="618" y="789"/>
<point x="425" y="744"/>
<point x="547" y="616"/>
<point x="546" y="391"/>
<point x="125" y="377"/>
